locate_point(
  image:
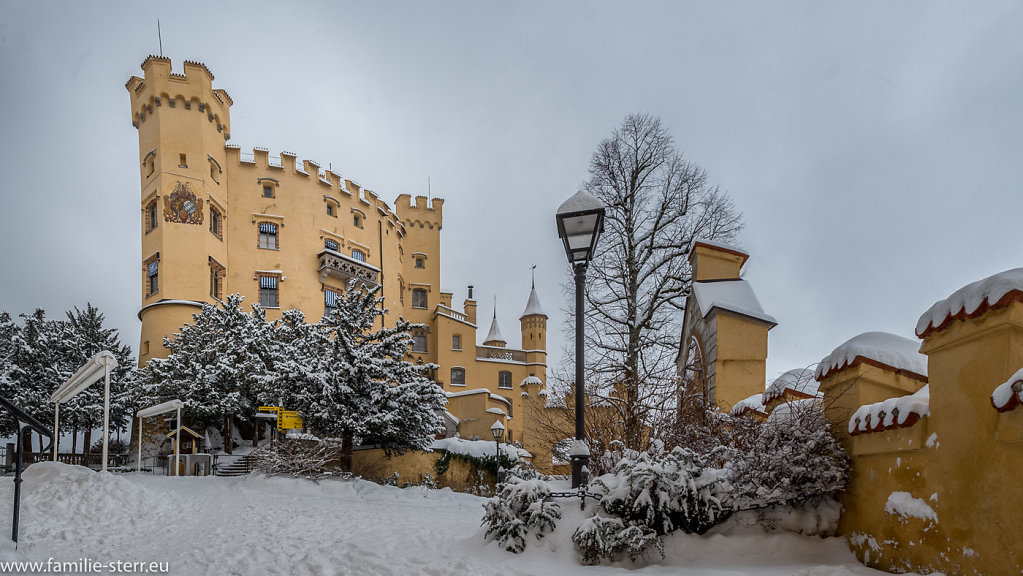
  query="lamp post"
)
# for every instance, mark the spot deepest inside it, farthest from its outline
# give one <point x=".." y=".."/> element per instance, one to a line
<point x="580" y="222"/>
<point x="497" y="430"/>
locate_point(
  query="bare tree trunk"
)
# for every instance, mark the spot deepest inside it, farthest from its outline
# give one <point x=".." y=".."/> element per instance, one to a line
<point x="255" y="432"/>
<point x="87" y="447"/>
<point x="228" y="433"/>
<point x="74" y="439"/>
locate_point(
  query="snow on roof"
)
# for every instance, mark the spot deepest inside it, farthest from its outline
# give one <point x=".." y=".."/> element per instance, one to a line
<point x="500" y="399"/>
<point x="1009" y="394"/>
<point x="531" y="380"/>
<point x="495" y="411"/>
<point x="732" y="295"/>
<point x="973" y="300"/>
<point x="578" y="202"/>
<point x="752" y="404"/>
<point x="467" y="392"/>
<point x="788" y="411"/>
<point x="533" y="305"/>
<point x="797" y="380"/>
<point x="882" y="348"/>
<point x="900" y="412"/>
<point x="721" y="245"/>
<point x="495" y="332"/>
<point x="478" y="448"/>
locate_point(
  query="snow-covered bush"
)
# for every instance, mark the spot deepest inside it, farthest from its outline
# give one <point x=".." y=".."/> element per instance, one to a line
<point x="794" y="457"/>
<point x="665" y="491"/>
<point x="310" y="459"/>
<point x="520" y="507"/>
<point x="600" y="537"/>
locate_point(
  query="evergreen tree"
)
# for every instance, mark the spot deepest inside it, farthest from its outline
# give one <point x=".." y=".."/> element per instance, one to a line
<point x="370" y="391"/>
<point x="33" y="378"/>
<point x="216" y="365"/>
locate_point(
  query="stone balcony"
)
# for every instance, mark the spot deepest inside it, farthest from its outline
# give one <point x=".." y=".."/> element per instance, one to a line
<point x="498" y="353"/>
<point x="345" y="268"/>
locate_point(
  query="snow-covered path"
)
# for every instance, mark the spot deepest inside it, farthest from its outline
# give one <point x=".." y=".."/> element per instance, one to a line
<point x="256" y="525"/>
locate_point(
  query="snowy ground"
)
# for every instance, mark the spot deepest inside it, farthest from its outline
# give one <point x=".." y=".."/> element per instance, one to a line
<point x="256" y="525"/>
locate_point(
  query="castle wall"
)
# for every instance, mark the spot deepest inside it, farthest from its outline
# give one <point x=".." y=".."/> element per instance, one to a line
<point x="959" y="461"/>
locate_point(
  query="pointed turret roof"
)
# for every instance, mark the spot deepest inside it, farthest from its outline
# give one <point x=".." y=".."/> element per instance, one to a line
<point x="495" y="331"/>
<point x="533" y="305"/>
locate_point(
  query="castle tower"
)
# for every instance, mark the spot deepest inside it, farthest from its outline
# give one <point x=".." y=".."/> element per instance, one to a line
<point x="533" y="325"/>
<point x="182" y="123"/>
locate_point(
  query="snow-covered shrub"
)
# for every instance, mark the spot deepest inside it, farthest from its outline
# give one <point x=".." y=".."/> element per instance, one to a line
<point x="600" y="537"/>
<point x="310" y="459"/>
<point x="520" y="507"/>
<point x="794" y="457"/>
<point x="665" y="491"/>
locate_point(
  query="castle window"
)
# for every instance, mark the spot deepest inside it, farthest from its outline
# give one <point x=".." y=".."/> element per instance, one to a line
<point x="152" y="276"/>
<point x="359" y="255"/>
<point x="215" y="170"/>
<point x="418" y="298"/>
<point x="215" y="222"/>
<point x="149" y="162"/>
<point x="268" y="292"/>
<point x="330" y="210"/>
<point x="329" y="302"/>
<point x="504" y="379"/>
<point x="182" y="161"/>
<point x="420" y="262"/>
<point x="217" y="273"/>
<point x="458" y="376"/>
<point x="456" y="342"/>
<point x="419" y="341"/>
<point x="151" y="216"/>
<point x="331" y="245"/>
<point x="268" y="191"/>
<point x="357" y="219"/>
<point x="268" y="236"/>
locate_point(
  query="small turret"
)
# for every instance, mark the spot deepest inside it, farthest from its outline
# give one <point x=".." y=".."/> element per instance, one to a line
<point x="533" y="323"/>
<point x="494" y="337"/>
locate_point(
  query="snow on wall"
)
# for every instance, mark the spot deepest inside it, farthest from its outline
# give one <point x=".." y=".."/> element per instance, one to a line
<point x="798" y="380"/>
<point x="898" y="412"/>
<point x="1009" y="394"/>
<point x="732" y="295"/>
<point x="903" y="504"/>
<point x="970" y="299"/>
<point x="754" y="403"/>
<point x="478" y="448"/>
<point x="881" y="347"/>
<point x="716" y="244"/>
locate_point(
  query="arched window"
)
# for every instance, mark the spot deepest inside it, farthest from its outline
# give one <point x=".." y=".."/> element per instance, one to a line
<point x="695" y="375"/>
<point x="359" y="255"/>
<point x="331" y="245"/>
<point x="418" y="298"/>
<point x="504" y="379"/>
<point x="458" y="376"/>
<point x="151" y="216"/>
<point x="216" y="222"/>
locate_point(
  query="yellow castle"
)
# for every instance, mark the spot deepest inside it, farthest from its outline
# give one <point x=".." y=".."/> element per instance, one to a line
<point x="290" y="234"/>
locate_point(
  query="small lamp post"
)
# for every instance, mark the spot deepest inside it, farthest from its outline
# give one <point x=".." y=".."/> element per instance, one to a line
<point x="580" y="222"/>
<point x="497" y="430"/>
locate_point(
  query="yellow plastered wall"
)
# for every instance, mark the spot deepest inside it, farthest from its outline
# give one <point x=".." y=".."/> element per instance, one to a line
<point x="714" y="263"/>
<point x="741" y="360"/>
<point x="962" y="460"/>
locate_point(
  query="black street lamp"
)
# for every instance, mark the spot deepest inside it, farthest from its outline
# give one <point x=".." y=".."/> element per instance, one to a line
<point x="497" y="430"/>
<point x="580" y="222"/>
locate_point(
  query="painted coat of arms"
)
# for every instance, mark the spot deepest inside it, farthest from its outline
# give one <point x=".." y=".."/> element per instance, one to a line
<point x="182" y="206"/>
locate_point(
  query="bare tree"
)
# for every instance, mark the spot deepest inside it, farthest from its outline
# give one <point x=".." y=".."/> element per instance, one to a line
<point x="658" y="203"/>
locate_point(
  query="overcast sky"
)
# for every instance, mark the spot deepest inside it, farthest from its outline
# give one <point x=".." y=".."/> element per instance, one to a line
<point x="874" y="147"/>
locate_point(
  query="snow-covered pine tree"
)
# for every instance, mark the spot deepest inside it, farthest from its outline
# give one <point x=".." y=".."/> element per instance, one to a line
<point x="35" y="350"/>
<point x="79" y="338"/>
<point x="371" y="391"/>
<point x="296" y="355"/>
<point x="216" y="364"/>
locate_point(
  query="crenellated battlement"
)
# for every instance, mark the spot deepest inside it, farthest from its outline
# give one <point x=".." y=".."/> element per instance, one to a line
<point x="327" y="180"/>
<point x="423" y="210"/>
<point x="193" y="90"/>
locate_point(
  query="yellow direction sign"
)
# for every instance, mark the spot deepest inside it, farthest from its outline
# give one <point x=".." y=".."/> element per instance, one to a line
<point x="289" y="420"/>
